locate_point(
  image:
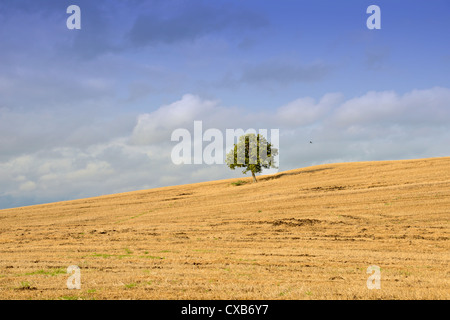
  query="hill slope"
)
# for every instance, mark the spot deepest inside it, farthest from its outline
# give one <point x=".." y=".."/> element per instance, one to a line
<point x="309" y="233"/>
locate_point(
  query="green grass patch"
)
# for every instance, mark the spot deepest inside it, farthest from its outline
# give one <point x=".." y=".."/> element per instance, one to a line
<point x="130" y="285"/>
<point x="49" y="272"/>
<point x="106" y="256"/>
<point x="25" y="285"/>
<point x="151" y="257"/>
<point x="239" y="183"/>
<point x="103" y="255"/>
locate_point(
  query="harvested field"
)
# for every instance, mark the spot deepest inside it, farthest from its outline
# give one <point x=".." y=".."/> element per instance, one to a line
<point x="309" y="233"/>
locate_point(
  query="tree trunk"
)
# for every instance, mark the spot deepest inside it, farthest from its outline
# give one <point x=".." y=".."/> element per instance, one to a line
<point x="254" y="177"/>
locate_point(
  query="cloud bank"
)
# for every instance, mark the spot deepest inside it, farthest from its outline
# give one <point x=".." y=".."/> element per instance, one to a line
<point x="62" y="164"/>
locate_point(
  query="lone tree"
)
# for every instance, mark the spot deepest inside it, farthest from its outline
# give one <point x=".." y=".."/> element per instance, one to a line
<point x="253" y="153"/>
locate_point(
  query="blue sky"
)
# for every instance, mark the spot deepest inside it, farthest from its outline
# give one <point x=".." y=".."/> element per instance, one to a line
<point x="90" y="112"/>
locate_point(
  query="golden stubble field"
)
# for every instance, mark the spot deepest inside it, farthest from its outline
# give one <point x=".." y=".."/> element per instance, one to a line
<point x="309" y="233"/>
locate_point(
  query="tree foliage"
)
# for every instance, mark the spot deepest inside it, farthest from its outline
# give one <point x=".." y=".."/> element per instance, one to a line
<point x="253" y="153"/>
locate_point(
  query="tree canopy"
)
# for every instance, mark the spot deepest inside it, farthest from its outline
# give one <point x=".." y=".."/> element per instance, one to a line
<point x="253" y="153"/>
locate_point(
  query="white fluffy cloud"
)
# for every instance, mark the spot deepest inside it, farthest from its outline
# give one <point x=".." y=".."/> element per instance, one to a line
<point x="374" y="126"/>
<point x="156" y="126"/>
<point x="306" y="111"/>
<point x="417" y="107"/>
